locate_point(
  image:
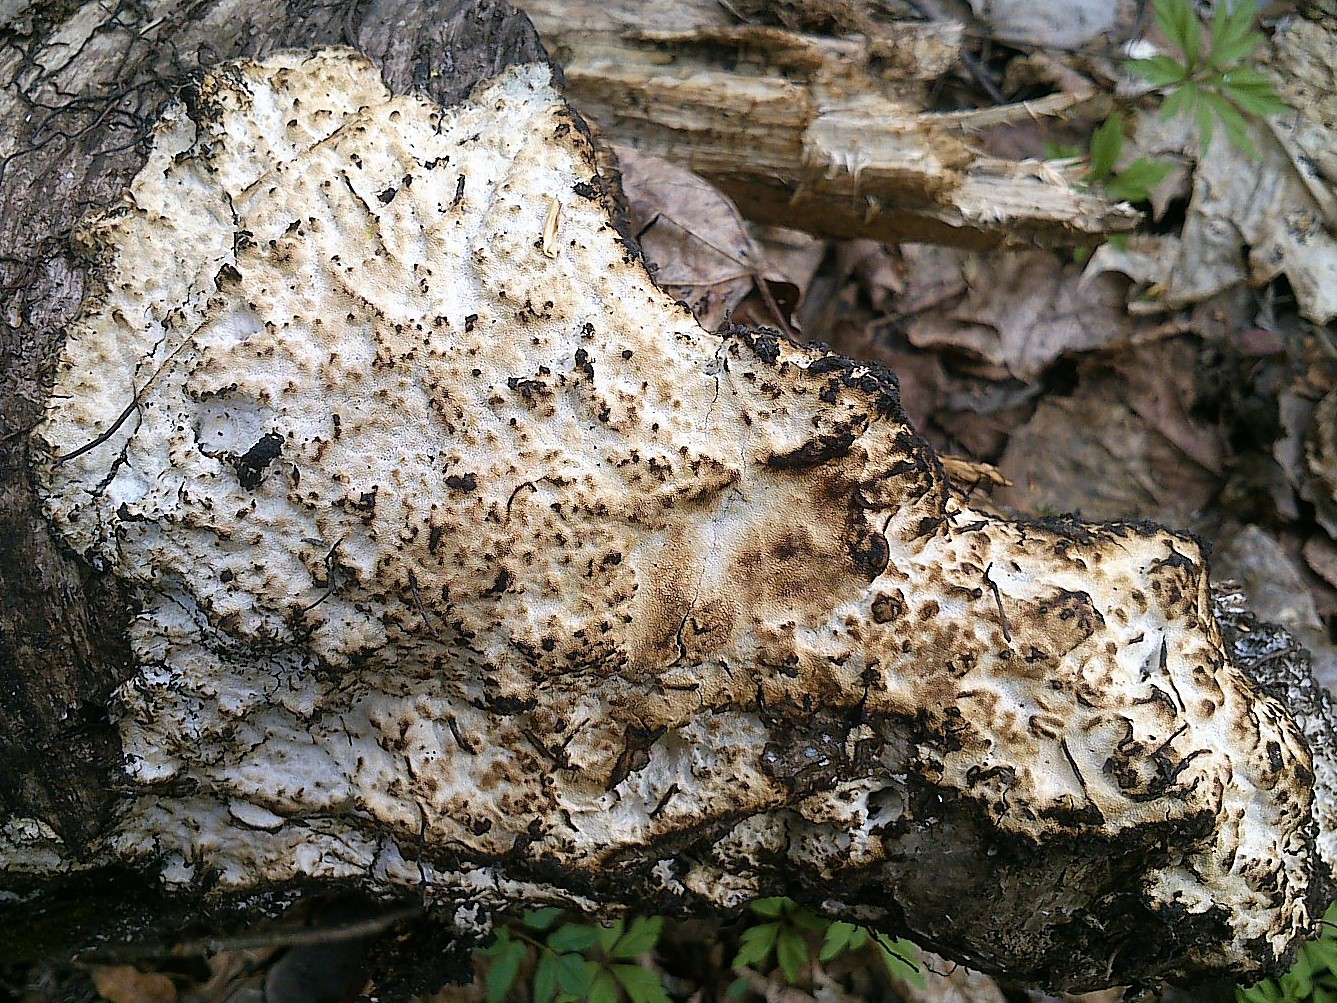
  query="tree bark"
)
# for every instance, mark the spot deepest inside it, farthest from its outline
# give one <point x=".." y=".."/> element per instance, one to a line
<point x="611" y="612"/>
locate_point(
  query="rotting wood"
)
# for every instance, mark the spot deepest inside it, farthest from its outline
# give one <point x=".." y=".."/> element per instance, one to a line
<point x="821" y="134"/>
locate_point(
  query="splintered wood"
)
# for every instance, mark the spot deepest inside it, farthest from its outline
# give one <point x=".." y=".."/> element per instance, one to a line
<point x="818" y="133"/>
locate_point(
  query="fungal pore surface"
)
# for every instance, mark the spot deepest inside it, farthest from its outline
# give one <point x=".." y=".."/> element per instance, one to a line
<point x="472" y="568"/>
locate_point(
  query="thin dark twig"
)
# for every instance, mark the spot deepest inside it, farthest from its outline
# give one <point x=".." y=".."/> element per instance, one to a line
<point x="282" y="937"/>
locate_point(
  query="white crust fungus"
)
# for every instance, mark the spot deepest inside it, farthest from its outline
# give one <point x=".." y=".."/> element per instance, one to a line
<point x="468" y="559"/>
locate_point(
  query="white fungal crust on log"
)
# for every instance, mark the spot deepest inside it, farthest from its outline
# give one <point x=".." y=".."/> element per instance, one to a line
<point x="467" y="557"/>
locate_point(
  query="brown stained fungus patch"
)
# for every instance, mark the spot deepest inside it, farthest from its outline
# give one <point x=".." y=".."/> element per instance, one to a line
<point x="467" y="558"/>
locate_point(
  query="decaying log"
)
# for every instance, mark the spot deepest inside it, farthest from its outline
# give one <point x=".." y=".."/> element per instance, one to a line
<point x="470" y="569"/>
<point x="822" y="134"/>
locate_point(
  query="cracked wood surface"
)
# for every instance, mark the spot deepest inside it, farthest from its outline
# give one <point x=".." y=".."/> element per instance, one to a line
<point x="817" y="133"/>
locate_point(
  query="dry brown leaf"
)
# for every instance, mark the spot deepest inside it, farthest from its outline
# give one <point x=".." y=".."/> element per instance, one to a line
<point x="1269" y="577"/>
<point x="1160" y="382"/>
<point x="1321" y="453"/>
<point x="1274" y="581"/>
<point x="699" y="246"/>
<point x="947" y="982"/>
<point x="1017" y="312"/>
<point x="127" y="984"/>
<point x="1321" y="555"/>
<point x="1092" y="453"/>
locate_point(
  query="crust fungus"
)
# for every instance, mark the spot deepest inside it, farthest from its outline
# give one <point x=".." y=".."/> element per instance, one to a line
<point x="471" y="567"/>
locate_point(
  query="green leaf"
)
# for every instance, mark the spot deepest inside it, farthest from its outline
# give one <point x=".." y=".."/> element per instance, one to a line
<point x="755" y="944"/>
<point x="808" y="920"/>
<point x="603" y="987"/>
<point x="1322" y="955"/>
<point x="1236" y="125"/>
<point x="610" y="934"/>
<point x="642" y="937"/>
<point x="1230" y="22"/>
<point x="1106" y="143"/>
<point x="641" y="984"/>
<point x="545" y="977"/>
<point x="837" y="940"/>
<point x="1135" y="182"/>
<point x="1179" y="21"/>
<point x="574" y="974"/>
<point x="791" y="951"/>
<point x="1253" y="92"/>
<point x="504" y="969"/>
<point x="737" y="988"/>
<point x="503" y="937"/>
<point x="771" y="907"/>
<point x="1159" y="71"/>
<point x="898" y="956"/>
<point x="858" y="938"/>
<point x="1185" y="99"/>
<point x="573" y="937"/>
<point x="541" y="919"/>
<point x="1206" y="124"/>
<point x="1233" y="36"/>
<point x="1296" y="984"/>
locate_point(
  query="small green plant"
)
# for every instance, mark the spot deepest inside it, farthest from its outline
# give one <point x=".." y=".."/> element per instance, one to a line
<point x="1312" y="977"/>
<point x="1135" y="182"/>
<point x="572" y="961"/>
<point x="1209" y="79"/>
<point x="790" y="932"/>
<point x="565" y="960"/>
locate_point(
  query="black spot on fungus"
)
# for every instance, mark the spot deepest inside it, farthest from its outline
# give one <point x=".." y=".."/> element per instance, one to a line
<point x="226" y="275"/>
<point x="365" y="502"/>
<point x="813" y="452"/>
<point x="887" y="608"/>
<point x="1274" y="757"/>
<point x="462" y="482"/>
<point x="530" y="390"/>
<point x="387" y="196"/>
<point x="828" y="364"/>
<point x="583" y="363"/>
<point x="766" y="346"/>
<point x="585" y="190"/>
<point x="250" y="466"/>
